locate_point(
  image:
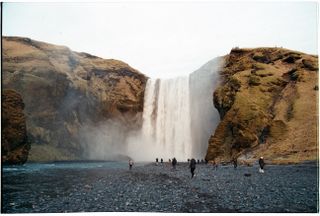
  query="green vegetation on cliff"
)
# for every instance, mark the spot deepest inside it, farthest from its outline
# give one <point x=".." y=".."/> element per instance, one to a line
<point x="268" y="106"/>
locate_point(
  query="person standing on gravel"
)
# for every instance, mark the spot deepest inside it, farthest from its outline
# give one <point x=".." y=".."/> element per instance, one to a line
<point x="130" y="164"/>
<point x="261" y="164"/>
<point x="157" y="161"/>
<point x="174" y="163"/>
<point x="192" y="166"/>
<point x="161" y="161"/>
<point x="215" y="165"/>
<point x="235" y="162"/>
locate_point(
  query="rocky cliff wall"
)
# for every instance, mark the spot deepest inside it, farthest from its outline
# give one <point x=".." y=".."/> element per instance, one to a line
<point x="65" y="90"/>
<point x="14" y="139"/>
<point x="268" y="106"/>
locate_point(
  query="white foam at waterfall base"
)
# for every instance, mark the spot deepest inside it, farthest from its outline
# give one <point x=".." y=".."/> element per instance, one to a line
<point x="178" y="117"/>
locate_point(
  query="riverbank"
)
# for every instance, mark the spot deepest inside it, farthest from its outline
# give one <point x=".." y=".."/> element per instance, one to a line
<point x="150" y="188"/>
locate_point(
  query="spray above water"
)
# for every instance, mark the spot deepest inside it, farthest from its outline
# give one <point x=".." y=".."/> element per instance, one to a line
<point x="178" y="117"/>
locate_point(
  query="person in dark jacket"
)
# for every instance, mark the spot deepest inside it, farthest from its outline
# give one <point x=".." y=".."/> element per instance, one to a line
<point x="130" y="164"/>
<point x="261" y="164"/>
<point x="235" y="162"/>
<point x="157" y="161"/>
<point x="161" y="161"/>
<point x="174" y="163"/>
<point x="192" y="166"/>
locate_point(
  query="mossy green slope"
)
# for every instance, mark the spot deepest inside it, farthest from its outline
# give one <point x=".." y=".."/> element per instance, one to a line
<point x="263" y="101"/>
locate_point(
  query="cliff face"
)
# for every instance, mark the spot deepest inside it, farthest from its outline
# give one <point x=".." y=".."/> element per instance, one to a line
<point x="14" y="140"/>
<point x="268" y="106"/>
<point x="63" y="90"/>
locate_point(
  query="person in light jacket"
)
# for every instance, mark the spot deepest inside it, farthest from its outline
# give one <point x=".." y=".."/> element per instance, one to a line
<point x="261" y="164"/>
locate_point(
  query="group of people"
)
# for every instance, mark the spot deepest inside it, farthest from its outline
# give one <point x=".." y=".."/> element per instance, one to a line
<point x="192" y="164"/>
<point x="157" y="161"/>
<point x="261" y="164"/>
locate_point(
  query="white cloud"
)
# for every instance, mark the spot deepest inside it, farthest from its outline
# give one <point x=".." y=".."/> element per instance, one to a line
<point x="165" y="39"/>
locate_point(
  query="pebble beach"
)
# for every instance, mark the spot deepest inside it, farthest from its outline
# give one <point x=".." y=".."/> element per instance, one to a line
<point x="151" y="188"/>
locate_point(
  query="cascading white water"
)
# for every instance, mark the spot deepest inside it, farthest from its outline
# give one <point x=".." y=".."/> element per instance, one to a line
<point x="165" y="130"/>
<point x="178" y="117"/>
<point x="170" y="118"/>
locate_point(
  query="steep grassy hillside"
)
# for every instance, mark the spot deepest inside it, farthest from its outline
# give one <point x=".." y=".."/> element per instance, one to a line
<point x="268" y="107"/>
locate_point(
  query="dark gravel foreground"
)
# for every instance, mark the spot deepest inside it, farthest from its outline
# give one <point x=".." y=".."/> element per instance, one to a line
<point x="150" y="188"/>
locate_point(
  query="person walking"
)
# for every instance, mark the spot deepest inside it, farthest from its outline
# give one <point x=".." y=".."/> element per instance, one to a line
<point x="215" y="165"/>
<point x="161" y="161"/>
<point x="192" y="166"/>
<point x="261" y="164"/>
<point x="157" y="161"/>
<point x="130" y="164"/>
<point x="235" y="162"/>
<point x="174" y="163"/>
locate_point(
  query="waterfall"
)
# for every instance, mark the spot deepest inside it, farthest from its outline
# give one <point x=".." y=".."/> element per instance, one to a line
<point x="178" y="117"/>
<point x="167" y="117"/>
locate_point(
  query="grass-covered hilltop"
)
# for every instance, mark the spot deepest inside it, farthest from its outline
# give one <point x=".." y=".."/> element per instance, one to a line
<point x="267" y="101"/>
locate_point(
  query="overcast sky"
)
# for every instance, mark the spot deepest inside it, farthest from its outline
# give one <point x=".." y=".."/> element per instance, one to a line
<point x="165" y="39"/>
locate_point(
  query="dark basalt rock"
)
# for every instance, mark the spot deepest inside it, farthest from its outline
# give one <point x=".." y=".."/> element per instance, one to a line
<point x="14" y="139"/>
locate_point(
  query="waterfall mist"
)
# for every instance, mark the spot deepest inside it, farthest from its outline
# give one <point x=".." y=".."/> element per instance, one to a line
<point x="177" y="121"/>
<point x="104" y="141"/>
<point x="204" y="116"/>
<point x="178" y="116"/>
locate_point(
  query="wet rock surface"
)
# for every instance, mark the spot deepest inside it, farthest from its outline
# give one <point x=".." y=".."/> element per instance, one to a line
<point x="150" y="188"/>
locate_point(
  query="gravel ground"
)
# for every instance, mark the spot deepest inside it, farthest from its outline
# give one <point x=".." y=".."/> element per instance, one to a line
<point x="150" y="188"/>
